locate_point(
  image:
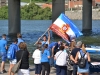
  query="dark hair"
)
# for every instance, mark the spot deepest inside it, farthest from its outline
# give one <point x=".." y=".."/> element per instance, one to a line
<point x="61" y="47"/>
<point x="44" y="36"/>
<point x="3" y="34"/>
<point x="67" y="44"/>
<point x="15" y="40"/>
<point x="45" y="46"/>
<point x="19" y="35"/>
<point x="38" y="46"/>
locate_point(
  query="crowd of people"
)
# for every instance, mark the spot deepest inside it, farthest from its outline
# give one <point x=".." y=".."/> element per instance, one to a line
<point x="65" y="57"/>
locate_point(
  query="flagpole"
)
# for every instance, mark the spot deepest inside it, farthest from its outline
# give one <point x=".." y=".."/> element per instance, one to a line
<point x="41" y="36"/>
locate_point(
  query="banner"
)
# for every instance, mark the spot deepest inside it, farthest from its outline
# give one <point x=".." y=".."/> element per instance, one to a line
<point x="64" y="28"/>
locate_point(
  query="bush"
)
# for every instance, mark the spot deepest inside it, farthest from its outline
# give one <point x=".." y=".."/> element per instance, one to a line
<point x="29" y="12"/>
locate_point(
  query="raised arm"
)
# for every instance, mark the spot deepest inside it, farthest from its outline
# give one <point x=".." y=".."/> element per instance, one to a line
<point x="53" y="51"/>
<point x="48" y="36"/>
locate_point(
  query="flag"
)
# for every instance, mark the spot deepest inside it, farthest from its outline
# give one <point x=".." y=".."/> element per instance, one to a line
<point x="65" y="28"/>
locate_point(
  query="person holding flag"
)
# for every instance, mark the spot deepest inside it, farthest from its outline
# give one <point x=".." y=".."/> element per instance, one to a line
<point x="45" y="39"/>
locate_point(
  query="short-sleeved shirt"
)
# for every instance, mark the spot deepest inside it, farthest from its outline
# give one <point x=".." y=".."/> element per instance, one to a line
<point x="19" y="41"/>
<point x="52" y="44"/>
<point x="44" y="55"/>
<point x="74" y="52"/>
<point x="37" y="56"/>
<point x="3" y="44"/>
<point x="14" y="50"/>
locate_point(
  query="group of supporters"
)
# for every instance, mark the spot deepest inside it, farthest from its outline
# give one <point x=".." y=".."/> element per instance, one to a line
<point x="67" y="58"/>
<point x="14" y="53"/>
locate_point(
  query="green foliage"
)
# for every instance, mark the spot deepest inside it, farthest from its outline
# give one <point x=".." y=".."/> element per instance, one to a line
<point x="33" y="11"/>
<point x="4" y="12"/>
<point x="29" y="12"/>
<point x="36" y="1"/>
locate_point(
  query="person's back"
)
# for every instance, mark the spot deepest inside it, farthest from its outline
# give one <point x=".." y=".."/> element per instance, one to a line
<point x="83" y="59"/>
<point x="3" y="50"/>
<point x="24" y="54"/>
<point x="3" y="44"/>
<point x="11" y="54"/>
<point x="19" y="37"/>
<point x="61" y="57"/>
<point x="74" y="52"/>
<point x="61" y="65"/>
<point x="25" y="60"/>
<point x="73" y="55"/>
<point x="45" y="56"/>
<point x="37" y="56"/>
<point x="51" y="45"/>
<point x="37" y="60"/>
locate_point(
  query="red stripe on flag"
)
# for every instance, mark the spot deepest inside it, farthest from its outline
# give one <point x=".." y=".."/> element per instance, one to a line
<point x="59" y="32"/>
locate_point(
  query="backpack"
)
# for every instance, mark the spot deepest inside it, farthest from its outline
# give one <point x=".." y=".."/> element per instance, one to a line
<point x="82" y="61"/>
<point x="10" y="52"/>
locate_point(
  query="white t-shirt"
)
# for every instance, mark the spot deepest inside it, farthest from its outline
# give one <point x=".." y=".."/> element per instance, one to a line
<point x="61" y="58"/>
<point x="37" y="56"/>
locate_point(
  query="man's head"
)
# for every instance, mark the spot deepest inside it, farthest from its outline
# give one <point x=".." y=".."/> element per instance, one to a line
<point x="4" y="36"/>
<point x="79" y="44"/>
<point x="66" y="45"/>
<point x="15" y="40"/>
<point x="19" y="35"/>
<point x="59" y="42"/>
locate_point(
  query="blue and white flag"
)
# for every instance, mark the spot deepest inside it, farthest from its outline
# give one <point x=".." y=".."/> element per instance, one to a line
<point x="65" y="28"/>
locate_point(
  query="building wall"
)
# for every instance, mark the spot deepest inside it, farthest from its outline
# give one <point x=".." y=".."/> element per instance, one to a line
<point x="2" y="3"/>
<point x="72" y="4"/>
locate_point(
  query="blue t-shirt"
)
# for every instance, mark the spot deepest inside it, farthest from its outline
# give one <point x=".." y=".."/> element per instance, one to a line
<point x="52" y="44"/>
<point x="3" y="44"/>
<point x="44" y="56"/>
<point x="19" y="41"/>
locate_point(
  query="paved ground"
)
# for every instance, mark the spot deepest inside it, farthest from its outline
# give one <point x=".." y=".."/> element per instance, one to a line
<point x="32" y="71"/>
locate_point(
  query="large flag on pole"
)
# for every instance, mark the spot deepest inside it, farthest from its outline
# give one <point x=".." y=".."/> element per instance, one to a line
<point x="65" y="28"/>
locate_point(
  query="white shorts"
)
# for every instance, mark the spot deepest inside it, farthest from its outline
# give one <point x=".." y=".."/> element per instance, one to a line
<point x="23" y="72"/>
<point x="14" y="61"/>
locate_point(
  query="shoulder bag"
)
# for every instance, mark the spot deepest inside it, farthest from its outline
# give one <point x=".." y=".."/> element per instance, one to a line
<point x="16" y="66"/>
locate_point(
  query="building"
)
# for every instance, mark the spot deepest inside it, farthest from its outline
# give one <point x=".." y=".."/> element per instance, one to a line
<point x="79" y="3"/>
<point x="2" y="3"/>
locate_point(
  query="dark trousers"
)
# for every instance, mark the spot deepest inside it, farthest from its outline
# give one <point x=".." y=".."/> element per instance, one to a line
<point x="74" y="69"/>
<point x="38" y="68"/>
<point x="45" y="67"/>
<point x="61" y="70"/>
<point x="69" y="72"/>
